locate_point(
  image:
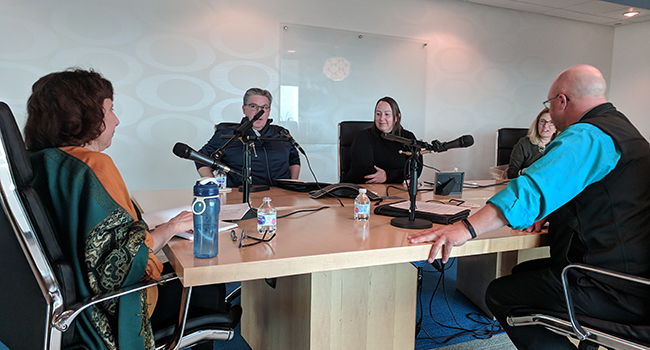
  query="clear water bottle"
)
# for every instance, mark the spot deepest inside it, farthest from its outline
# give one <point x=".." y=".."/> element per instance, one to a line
<point x="362" y="231"/>
<point x="205" y="207"/>
<point x="362" y="206"/>
<point x="266" y="218"/>
<point x="221" y="180"/>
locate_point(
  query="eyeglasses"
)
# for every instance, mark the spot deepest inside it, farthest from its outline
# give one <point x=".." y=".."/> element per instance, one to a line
<point x="257" y="108"/>
<point x="544" y="121"/>
<point x="547" y="103"/>
<point x="255" y="239"/>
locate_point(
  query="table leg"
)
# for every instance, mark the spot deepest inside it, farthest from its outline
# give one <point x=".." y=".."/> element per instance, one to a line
<point x="363" y="308"/>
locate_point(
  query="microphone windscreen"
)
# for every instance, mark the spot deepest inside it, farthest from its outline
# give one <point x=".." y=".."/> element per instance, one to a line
<point x="182" y="150"/>
<point x="258" y="115"/>
<point x="466" y="141"/>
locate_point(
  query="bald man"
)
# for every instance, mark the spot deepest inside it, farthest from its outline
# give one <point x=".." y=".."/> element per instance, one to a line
<point x="593" y="184"/>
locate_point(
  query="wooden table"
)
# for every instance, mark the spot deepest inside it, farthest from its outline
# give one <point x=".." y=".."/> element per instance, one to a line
<point x="340" y="284"/>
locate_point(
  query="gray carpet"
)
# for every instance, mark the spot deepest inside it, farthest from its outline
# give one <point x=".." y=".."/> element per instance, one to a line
<point x="497" y="342"/>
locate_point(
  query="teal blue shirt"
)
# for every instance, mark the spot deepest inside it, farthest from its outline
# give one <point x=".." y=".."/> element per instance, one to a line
<point x="580" y="155"/>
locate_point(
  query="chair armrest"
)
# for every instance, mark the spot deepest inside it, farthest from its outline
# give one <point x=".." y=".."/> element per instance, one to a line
<point x="577" y="328"/>
<point x="63" y="320"/>
<point x="233" y="295"/>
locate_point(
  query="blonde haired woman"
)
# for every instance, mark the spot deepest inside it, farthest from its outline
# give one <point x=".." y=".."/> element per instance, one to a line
<point x="531" y="147"/>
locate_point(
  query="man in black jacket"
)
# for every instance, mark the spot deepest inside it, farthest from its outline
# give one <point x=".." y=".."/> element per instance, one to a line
<point x="270" y="159"/>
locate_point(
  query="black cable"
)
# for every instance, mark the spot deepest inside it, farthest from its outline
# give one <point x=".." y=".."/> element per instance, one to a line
<point x="318" y="184"/>
<point x="430" y="167"/>
<point x="266" y="156"/>
<point x="486" y="329"/>
<point x="303" y="211"/>
<point x="395" y="187"/>
<point x="418" y="324"/>
<point x="473" y="185"/>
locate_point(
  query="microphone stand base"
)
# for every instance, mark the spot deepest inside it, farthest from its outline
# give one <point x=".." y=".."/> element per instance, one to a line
<point x="255" y="188"/>
<point x="404" y="222"/>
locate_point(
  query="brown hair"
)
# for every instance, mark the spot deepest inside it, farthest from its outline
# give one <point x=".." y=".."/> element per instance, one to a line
<point x="66" y="109"/>
<point x="397" y="115"/>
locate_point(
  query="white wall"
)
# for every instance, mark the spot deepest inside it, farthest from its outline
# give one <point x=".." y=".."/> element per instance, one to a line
<point x="629" y="88"/>
<point x="178" y="67"/>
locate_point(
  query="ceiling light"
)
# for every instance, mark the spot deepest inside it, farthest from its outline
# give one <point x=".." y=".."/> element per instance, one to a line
<point x="631" y="13"/>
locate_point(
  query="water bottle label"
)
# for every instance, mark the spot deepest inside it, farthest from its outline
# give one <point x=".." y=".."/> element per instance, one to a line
<point x="221" y="180"/>
<point x="266" y="220"/>
<point x="362" y="209"/>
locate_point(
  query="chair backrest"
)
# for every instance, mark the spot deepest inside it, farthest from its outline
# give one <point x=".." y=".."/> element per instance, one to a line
<point x="506" y="140"/>
<point x="30" y="294"/>
<point x="347" y="131"/>
<point x="226" y="125"/>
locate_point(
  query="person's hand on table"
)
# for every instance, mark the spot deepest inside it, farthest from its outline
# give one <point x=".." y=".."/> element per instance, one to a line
<point x="537" y="226"/>
<point x="379" y="177"/>
<point x="443" y="237"/>
<point x="180" y="223"/>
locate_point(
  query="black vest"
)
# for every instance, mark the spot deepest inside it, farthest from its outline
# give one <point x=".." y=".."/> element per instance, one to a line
<point x="608" y="223"/>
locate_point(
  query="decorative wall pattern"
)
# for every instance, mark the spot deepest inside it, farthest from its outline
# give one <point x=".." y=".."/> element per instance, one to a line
<point x="179" y="67"/>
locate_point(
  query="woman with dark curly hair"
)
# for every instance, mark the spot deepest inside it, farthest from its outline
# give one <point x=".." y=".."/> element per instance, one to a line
<point x="70" y="121"/>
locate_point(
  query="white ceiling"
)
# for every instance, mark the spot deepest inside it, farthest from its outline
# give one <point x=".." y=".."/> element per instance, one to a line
<point x="599" y="12"/>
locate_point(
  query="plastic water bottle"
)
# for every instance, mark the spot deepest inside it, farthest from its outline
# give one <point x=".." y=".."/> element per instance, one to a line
<point x="221" y="180"/>
<point x="362" y="206"/>
<point x="362" y="231"/>
<point x="205" y="207"/>
<point x="266" y="218"/>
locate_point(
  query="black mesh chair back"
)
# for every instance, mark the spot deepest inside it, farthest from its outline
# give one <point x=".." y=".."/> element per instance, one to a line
<point x="506" y="140"/>
<point x="347" y="132"/>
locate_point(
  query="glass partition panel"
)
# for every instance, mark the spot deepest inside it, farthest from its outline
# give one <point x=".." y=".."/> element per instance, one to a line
<point x="328" y="76"/>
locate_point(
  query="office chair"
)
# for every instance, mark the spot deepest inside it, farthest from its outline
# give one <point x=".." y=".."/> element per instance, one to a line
<point x="506" y="140"/>
<point x="347" y="131"/>
<point x="37" y="297"/>
<point x="226" y="125"/>
<point x="589" y="331"/>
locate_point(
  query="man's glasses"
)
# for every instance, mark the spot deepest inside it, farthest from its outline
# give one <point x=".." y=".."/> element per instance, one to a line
<point x="547" y="103"/>
<point x="257" y="108"/>
<point x="254" y="239"/>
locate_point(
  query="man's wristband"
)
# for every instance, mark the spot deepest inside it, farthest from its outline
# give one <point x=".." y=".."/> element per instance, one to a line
<point x="470" y="228"/>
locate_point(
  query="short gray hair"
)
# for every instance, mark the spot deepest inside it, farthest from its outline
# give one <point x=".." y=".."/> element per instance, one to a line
<point x="257" y="91"/>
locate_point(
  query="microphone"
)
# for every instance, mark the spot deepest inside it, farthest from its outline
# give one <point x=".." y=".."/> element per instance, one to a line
<point x="285" y="133"/>
<point x="243" y="129"/>
<point x="461" y="142"/>
<point x="404" y="140"/>
<point x="184" y="151"/>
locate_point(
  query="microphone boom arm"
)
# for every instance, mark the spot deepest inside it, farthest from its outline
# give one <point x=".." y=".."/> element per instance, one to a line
<point x="242" y="132"/>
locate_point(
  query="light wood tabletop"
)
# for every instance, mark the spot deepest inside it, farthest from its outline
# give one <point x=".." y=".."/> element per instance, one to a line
<point x="329" y="239"/>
